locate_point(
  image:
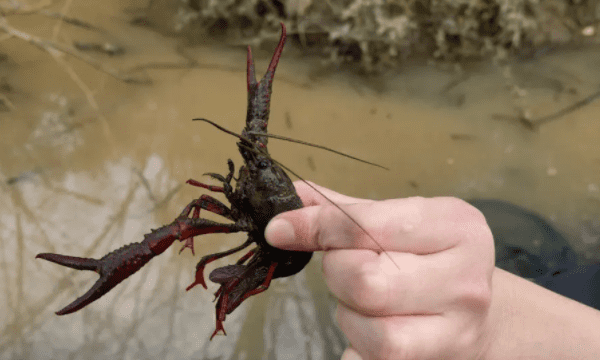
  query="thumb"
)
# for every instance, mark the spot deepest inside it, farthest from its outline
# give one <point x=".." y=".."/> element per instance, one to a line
<point x="294" y="230"/>
<point x="299" y="229"/>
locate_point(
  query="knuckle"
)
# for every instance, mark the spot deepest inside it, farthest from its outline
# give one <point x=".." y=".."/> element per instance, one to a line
<point x="469" y="212"/>
<point x="467" y="339"/>
<point x="371" y="291"/>
<point x="330" y="227"/>
<point x="472" y="221"/>
<point x="394" y="218"/>
<point x="394" y="343"/>
<point x="479" y="297"/>
<point x="324" y="217"/>
<point x="463" y="209"/>
<point x="412" y="218"/>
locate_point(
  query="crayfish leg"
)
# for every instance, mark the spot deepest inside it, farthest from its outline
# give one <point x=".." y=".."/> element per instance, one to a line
<point x="246" y="257"/>
<point x="205" y="186"/>
<point x="219" y="328"/>
<point x="264" y="286"/>
<point x="222" y="304"/>
<point x="208" y="203"/>
<point x="210" y="258"/>
<point x="239" y="262"/>
<point x="221" y="312"/>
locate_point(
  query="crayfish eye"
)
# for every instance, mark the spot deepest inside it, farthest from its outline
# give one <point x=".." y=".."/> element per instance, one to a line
<point x="263" y="164"/>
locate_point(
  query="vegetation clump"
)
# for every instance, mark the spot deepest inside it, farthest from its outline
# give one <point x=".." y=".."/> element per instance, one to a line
<point x="375" y="34"/>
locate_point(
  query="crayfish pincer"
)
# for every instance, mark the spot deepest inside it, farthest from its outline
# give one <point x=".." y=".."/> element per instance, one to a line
<point x="262" y="190"/>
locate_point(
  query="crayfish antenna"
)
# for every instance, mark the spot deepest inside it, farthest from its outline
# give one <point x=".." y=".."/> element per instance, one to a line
<point x="285" y="138"/>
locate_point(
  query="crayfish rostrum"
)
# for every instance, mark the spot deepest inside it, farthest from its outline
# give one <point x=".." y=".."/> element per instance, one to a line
<point x="262" y="190"/>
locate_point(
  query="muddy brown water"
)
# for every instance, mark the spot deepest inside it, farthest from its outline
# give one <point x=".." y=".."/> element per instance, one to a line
<point x="81" y="180"/>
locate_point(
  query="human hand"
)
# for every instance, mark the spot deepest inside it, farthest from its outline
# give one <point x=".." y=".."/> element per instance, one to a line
<point x="427" y="297"/>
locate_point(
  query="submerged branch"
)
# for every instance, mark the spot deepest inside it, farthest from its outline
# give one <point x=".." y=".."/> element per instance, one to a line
<point x="54" y="48"/>
<point x="535" y="124"/>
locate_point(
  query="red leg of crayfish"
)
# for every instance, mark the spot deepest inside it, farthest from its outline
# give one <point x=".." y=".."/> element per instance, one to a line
<point x="225" y="180"/>
<point x="246" y="257"/>
<point x="239" y="262"/>
<point x="207" y="203"/>
<point x="206" y="186"/>
<point x="121" y="263"/>
<point x="210" y="258"/>
<point x="264" y="286"/>
<point x="222" y="305"/>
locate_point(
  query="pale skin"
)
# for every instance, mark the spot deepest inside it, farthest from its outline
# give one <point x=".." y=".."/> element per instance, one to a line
<point x="434" y="293"/>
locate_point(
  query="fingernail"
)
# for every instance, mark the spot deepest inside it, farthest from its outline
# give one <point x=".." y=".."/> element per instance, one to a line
<point x="279" y="232"/>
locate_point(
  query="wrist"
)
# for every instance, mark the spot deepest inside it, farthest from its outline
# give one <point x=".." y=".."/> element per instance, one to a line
<point x="527" y="321"/>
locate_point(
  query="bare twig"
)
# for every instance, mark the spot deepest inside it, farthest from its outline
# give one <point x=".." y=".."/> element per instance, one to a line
<point x="69" y="20"/>
<point x="145" y="183"/>
<point x="88" y="93"/>
<point x="58" y="25"/>
<point x="57" y="51"/>
<point x="568" y="109"/>
<point x="535" y="124"/>
<point x="18" y="8"/>
<point x="77" y="195"/>
<point x="191" y="63"/>
<point x="167" y="198"/>
<point x="4" y="100"/>
<point x="55" y="48"/>
<point x="20" y="255"/>
<point x="115" y="220"/>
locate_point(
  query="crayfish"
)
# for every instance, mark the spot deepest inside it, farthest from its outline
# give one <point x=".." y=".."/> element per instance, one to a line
<point x="262" y="191"/>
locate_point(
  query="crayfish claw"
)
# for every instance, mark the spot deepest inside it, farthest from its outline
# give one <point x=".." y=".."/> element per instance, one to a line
<point x="112" y="268"/>
<point x="100" y="288"/>
<point x="73" y="262"/>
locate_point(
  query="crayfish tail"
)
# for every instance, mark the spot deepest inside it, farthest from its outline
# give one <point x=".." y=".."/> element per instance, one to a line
<point x="71" y="261"/>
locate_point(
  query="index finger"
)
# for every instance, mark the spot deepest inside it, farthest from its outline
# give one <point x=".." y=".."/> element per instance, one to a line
<point x="411" y="225"/>
<point x="313" y="194"/>
<point x="363" y="225"/>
